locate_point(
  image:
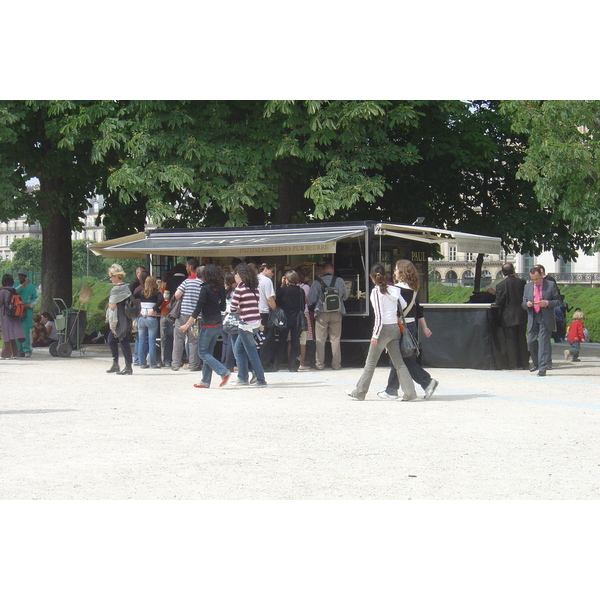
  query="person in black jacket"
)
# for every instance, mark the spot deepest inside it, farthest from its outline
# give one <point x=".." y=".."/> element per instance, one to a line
<point x="513" y="318"/>
<point x="292" y="299"/>
<point x="211" y="302"/>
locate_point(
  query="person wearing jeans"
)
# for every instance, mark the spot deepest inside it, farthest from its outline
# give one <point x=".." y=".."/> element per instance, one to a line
<point x="210" y="304"/>
<point x="245" y="303"/>
<point x="150" y="301"/>
<point x="245" y="351"/>
<point x="147" y="333"/>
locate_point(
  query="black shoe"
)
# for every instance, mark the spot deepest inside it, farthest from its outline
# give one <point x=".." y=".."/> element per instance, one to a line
<point x="115" y="368"/>
<point x="126" y="371"/>
<point x="542" y="374"/>
<point x="533" y="369"/>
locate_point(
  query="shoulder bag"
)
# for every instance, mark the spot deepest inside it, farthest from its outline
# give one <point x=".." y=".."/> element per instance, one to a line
<point x="408" y="344"/>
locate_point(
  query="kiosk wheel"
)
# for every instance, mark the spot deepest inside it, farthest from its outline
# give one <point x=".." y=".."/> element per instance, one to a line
<point x="64" y="350"/>
<point x="53" y="348"/>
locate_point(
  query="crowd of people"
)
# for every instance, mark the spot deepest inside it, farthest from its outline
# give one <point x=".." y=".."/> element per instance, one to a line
<point x="181" y="316"/>
<point x="265" y="329"/>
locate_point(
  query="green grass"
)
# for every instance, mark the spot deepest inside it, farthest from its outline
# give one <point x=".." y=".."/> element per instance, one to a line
<point x="576" y="296"/>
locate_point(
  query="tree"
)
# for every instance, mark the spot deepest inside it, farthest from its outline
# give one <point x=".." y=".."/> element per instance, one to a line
<point x="27" y="253"/>
<point x="241" y="162"/>
<point x="562" y="160"/>
<point x="30" y="146"/>
<point x="466" y="179"/>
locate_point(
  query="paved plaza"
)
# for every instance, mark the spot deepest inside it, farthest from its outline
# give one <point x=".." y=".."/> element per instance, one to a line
<point x="71" y="431"/>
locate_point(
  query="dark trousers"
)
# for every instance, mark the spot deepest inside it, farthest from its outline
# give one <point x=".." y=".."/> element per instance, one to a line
<point x="114" y="342"/>
<point x="539" y="344"/>
<point x="267" y="350"/>
<point x="517" y="354"/>
<point x="281" y="347"/>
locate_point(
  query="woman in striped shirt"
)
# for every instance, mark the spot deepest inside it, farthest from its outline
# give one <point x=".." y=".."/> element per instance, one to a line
<point x="386" y="334"/>
<point x="245" y="303"/>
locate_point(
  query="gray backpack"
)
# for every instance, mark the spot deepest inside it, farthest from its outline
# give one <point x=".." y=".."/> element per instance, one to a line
<point x="331" y="297"/>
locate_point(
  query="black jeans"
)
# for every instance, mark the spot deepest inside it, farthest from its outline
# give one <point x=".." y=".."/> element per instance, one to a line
<point x="114" y="342"/>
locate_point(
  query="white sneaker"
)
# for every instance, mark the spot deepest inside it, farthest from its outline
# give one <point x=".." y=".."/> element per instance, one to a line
<point x="431" y="388"/>
<point x="386" y="396"/>
<point x="353" y="396"/>
<point x="238" y="383"/>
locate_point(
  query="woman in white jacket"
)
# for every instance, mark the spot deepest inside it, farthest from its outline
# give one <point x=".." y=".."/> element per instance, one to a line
<point x="386" y="335"/>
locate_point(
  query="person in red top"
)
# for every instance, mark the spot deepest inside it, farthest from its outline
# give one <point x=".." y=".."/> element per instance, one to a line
<point x="575" y="336"/>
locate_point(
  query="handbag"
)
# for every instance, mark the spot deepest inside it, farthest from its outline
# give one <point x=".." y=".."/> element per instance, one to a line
<point x="277" y="319"/>
<point x="231" y="322"/>
<point x="302" y="322"/>
<point x="409" y="346"/>
<point x="259" y="339"/>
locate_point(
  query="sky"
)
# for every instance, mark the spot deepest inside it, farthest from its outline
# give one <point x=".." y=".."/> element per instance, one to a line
<point x="266" y="50"/>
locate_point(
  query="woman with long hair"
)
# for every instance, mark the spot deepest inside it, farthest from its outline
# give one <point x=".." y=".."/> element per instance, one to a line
<point x="407" y="281"/>
<point x="118" y="322"/>
<point x="210" y="305"/>
<point x="150" y="301"/>
<point x="245" y="303"/>
<point x="385" y="336"/>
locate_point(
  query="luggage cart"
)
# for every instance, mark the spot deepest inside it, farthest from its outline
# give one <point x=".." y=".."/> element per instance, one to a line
<point x="70" y="325"/>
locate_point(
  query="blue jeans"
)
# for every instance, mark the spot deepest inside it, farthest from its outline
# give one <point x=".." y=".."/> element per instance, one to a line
<point x="244" y="351"/>
<point x="227" y="357"/>
<point x="206" y="345"/>
<point x="147" y="333"/>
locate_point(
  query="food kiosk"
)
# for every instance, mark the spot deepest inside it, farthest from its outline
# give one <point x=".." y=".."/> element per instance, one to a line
<point x="352" y="247"/>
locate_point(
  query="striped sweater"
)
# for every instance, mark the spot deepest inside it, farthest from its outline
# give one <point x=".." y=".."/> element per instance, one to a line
<point x="245" y="302"/>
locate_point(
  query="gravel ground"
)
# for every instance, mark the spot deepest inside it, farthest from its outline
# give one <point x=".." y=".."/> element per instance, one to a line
<point x="72" y="432"/>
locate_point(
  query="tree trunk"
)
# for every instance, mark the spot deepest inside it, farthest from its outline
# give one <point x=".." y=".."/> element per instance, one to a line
<point x="478" y="269"/>
<point x="56" y="262"/>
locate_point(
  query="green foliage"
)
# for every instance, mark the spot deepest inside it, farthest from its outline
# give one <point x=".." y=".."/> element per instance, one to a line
<point x="562" y="159"/>
<point x="588" y="300"/>
<point x="27" y="253"/>
<point x="444" y="294"/>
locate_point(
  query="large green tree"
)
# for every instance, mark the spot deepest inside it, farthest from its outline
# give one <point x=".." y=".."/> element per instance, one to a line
<point x="562" y="160"/>
<point x="30" y="146"/>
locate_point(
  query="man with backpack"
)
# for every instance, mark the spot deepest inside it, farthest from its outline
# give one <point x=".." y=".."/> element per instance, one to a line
<point x="328" y="294"/>
<point x="28" y="294"/>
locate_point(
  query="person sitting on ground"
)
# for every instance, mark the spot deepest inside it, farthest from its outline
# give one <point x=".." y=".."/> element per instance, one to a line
<point x="39" y="337"/>
<point x="48" y="322"/>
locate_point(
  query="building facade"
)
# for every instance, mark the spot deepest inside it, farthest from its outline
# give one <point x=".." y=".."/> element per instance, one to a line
<point x="18" y="228"/>
<point x="458" y="268"/>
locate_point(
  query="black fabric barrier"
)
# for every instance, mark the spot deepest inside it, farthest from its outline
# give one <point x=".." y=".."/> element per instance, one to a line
<point x="468" y="337"/>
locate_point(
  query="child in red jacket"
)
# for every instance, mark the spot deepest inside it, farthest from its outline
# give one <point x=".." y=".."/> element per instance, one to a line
<point x="575" y="336"/>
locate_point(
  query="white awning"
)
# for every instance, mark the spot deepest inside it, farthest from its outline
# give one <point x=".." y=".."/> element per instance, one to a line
<point x="233" y="242"/>
<point x="105" y="248"/>
<point x="465" y="242"/>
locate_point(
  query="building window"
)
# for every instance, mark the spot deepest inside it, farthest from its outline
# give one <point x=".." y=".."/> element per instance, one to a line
<point x="564" y="267"/>
<point x="528" y="262"/>
<point x="452" y="253"/>
<point x="468" y="256"/>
